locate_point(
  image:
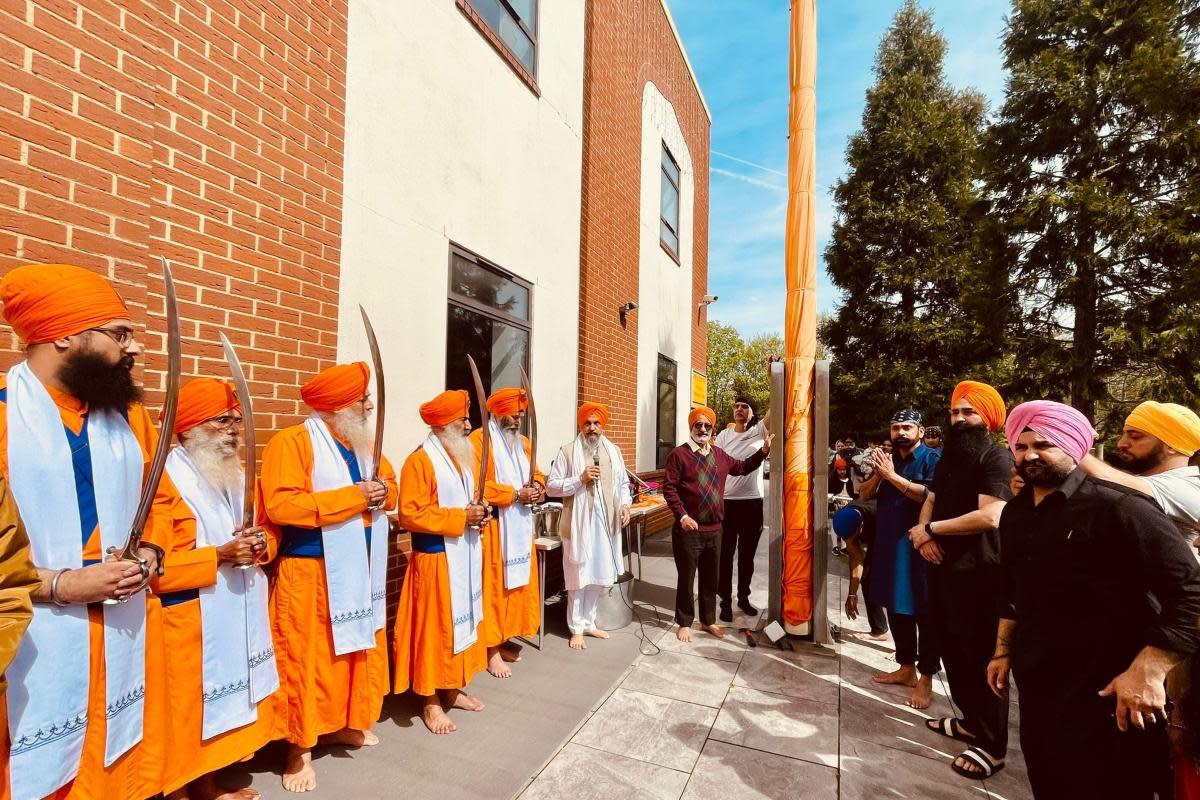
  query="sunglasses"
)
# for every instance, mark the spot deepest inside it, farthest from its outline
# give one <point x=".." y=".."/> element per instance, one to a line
<point x="702" y="426"/>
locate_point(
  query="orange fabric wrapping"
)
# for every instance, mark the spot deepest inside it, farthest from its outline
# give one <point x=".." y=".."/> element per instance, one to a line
<point x="506" y="613"/>
<point x="800" y="325"/>
<point x="424" y="638"/>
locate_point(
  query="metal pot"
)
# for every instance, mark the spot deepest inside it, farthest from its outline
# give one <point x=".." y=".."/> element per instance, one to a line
<point x="546" y="519"/>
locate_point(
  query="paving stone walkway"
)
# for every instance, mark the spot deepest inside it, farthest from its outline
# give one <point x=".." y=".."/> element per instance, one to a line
<point x="719" y="719"/>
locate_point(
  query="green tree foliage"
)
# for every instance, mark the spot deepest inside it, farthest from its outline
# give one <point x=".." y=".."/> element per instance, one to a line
<point x="923" y="306"/>
<point x="738" y="367"/>
<point x="1095" y="171"/>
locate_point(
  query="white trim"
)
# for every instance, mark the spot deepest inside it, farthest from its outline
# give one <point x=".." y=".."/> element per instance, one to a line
<point x="687" y="62"/>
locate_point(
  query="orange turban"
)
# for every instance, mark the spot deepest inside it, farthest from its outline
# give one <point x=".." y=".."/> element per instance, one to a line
<point x="592" y="409"/>
<point x="45" y="302"/>
<point x="336" y="388"/>
<point x="984" y="399"/>
<point x="507" y="402"/>
<point x="1174" y="425"/>
<point x="702" y="412"/>
<point x="450" y="405"/>
<point x="202" y="399"/>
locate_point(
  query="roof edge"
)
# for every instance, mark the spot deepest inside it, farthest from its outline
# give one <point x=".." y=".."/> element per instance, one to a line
<point x="686" y="60"/>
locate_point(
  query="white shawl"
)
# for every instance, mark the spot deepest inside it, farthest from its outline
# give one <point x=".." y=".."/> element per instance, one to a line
<point x="355" y="579"/>
<point x="238" y="665"/>
<point x="49" y="677"/>
<point x="464" y="554"/>
<point x="612" y="493"/>
<point x="516" y="519"/>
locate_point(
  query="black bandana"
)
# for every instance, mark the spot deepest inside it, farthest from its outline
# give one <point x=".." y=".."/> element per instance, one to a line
<point x="907" y="415"/>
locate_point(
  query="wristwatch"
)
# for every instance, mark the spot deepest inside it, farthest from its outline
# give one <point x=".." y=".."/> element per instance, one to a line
<point x="929" y="528"/>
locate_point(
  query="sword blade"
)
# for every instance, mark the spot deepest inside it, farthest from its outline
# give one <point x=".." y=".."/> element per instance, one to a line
<point x="484" y="418"/>
<point x="248" y="438"/>
<point x="380" y="397"/>
<point x="166" y="426"/>
<point x="532" y="415"/>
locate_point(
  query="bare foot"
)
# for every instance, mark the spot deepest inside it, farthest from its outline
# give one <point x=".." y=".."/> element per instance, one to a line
<point x="205" y="788"/>
<point x="715" y="630"/>
<point x="496" y="665"/>
<point x="684" y="634"/>
<point x="351" y="737"/>
<point x="459" y="699"/>
<point x="298" y="773"/>
<point x="577" y="642"/>
<point x="871" y="637"/>
<point x="596" y="633"/>
<point x="922" y="693"/>
<point x="905" y="676"/>
<point x="435" y="719"/>
<point x="510" y="652"/>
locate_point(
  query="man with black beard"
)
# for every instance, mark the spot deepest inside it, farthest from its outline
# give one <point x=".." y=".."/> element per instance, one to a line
<point x="956" y="533"/>
<point x="74" y="445"/>
<point x="898" y="574"/>
<point x="1071" y="541"/>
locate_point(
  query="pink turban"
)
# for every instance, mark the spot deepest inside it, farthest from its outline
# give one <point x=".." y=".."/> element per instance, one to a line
<point x="1060" y="424"/>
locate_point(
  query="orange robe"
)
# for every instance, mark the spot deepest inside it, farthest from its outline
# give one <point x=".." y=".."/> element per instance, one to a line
<point x="424" y="638"/>
<point x="321" y="692"/>
<point x="191" y="567"/>
<point x="138" y="773"/>
<point x="17" y="579"/>
<point x="506" y="612"/>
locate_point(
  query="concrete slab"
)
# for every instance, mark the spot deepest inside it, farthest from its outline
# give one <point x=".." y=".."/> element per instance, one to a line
<point x="787" y="726"/>
<point x="727" y="771"/>
<point x="658" y="730"/>
<point x="693" y="679"/>
<point x="581" y="773"/>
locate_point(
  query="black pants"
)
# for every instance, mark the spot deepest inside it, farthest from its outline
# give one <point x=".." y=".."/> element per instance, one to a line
<point x="695" y="551"/>
<point x="740" y="532"/>
<point x="965" y="654"/>
<point x="876" y="614"/>
<point x="909" y="649"/>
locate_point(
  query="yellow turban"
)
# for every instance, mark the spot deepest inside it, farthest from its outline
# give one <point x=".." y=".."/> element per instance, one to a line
<point x="984" y="399"/>
<point x="1176" y="426"/>
<point x="45" y="302"/>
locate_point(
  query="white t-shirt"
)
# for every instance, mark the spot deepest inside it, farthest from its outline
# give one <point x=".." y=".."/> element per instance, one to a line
<point x="1178" y="494"/>
<point x="741" y="446"/>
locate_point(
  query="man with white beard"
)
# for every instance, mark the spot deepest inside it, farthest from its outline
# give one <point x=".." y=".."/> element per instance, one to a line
<point x="511" y="599"/>
<point x="589" y="474"/>
<point x="438" y="647"/>
<point x="214" y="595"/>
<point x="328" y="603"/>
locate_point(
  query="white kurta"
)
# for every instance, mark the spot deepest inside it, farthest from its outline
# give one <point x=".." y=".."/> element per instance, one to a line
<point x="594" y="516"/>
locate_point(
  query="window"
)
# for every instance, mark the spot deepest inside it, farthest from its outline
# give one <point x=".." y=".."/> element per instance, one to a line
<point x="514" y="22"/>
<point x="488" y="319"/>
<point x="665" y="429"/>
<point x="669" y="215"/>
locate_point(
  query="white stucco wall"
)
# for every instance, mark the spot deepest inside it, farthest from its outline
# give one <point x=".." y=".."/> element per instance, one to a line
<point x="665" y="312"/>
<point x="444" y="143"/>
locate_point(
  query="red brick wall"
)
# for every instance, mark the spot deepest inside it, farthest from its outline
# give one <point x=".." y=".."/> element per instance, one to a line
<point x="206" y="131"/>
<point x="629" y="43"/>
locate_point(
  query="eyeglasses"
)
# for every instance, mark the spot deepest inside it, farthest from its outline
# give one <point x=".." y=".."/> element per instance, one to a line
<point x="702" y="426"/>
<point x="226" y="421"/>
<point x="122" y="336"/>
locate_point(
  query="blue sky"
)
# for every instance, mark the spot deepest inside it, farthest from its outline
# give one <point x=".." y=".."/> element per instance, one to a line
<point x="739" y="50"/>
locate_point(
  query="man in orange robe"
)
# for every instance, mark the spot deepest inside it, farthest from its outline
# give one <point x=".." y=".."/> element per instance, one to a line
<point x="214" y="596"/>
<point x="17" y="579"/>
<point x="327" y="605"/>
<point x="509" y="558"/>
<point x="75" y="442"/>
<point x="437" y="642"/>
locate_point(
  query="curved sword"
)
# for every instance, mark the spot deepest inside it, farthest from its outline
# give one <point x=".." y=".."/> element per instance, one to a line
<point x="248" y="439"/>
<point x="166" y="426"/>
<point x="485" y="419"/>
<point x="380" y="397"/>
<point x="532" y="416"/>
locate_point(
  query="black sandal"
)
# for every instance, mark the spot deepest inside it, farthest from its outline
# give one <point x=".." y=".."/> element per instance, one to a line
<point x="987" y="763"/>
<point x="950" y="727"/>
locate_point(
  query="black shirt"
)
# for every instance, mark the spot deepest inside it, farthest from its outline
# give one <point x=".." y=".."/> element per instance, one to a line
<point x="957" y="493"/>
<point x="1091" y="575"/>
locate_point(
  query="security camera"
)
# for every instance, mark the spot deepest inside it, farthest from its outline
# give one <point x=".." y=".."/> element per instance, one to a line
<point x="630" y="306"/>
<point x="708" y="299"/>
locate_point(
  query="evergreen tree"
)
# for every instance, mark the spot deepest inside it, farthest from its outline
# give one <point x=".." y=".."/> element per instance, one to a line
<point x="922" y="307"/>
<point x="1096" y="174"/>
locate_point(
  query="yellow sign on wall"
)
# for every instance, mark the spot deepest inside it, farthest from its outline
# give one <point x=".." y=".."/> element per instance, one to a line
<point x="699" y="389"/>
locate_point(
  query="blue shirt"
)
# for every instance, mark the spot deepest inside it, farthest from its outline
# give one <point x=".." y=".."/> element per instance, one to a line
<point x="897" y="570"/>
